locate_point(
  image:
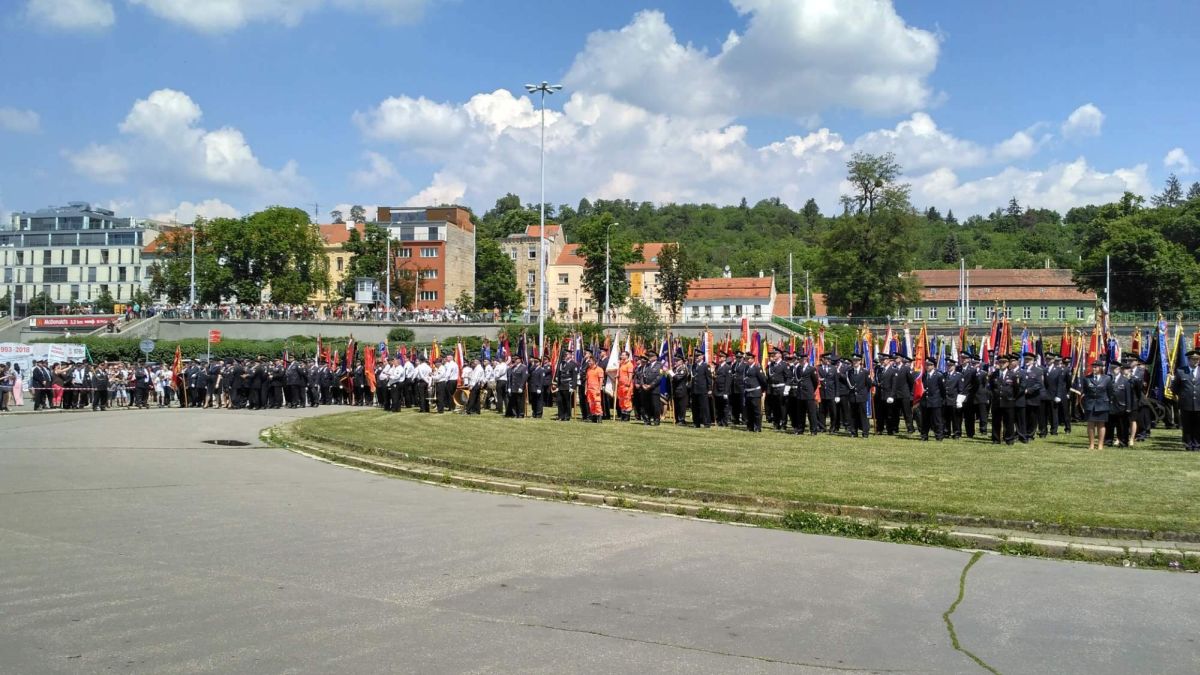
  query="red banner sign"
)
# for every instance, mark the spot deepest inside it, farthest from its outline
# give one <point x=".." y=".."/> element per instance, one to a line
<point x="214" y="336"/>
<point x="90" y="321"/>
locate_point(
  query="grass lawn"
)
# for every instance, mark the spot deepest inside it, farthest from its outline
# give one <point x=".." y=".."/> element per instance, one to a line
<point x="1052" y="480"/>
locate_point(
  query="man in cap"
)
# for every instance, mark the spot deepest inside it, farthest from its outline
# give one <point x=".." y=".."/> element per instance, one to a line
<point x="860" y="381"/>
<point x="901" y="395"/>
<point x="539" y="381"/>
<point x="702" y="391"/>
<point x="755" y="380"/>
<point x="829" y="408"/>
<point x="1186" y="385"/>
<point x="518" y="379"/>
<point x="737" y="389"/>
<point x="802" y="396"/>
<point x="969" y="370"/>
<point x="1052" y="394"/>
<point x="885" y="376"/>
<point x="932" y="401"/>
<point x="777" y="379"/>
<point x="681" y="389"/>
<point x="952" y="409"/>
<point x="41" y="380"/>
<point x="723" y="387"/>
<point x="648" y="382"/>
<point x="1034" y="381"/>
<point x="1003" y="385"/>
<point x="566" y="378"/>
<point x="1123" y="405"/>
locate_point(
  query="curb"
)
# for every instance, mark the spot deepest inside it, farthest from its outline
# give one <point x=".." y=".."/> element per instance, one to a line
<point x="1010" y="545"/>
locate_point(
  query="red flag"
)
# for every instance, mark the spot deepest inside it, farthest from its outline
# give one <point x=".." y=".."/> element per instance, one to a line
<point x="920" y="353"/>
<point x="176" y="366"/>
<point x="350" y="353"/>
<point x="369" y="368"/>
<point x="458" y="358"/>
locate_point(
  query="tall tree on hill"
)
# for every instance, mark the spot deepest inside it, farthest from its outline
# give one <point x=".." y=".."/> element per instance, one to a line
<point x="1172" y="194"/>
<point x="495" y="277"/>
<point x="868" y="254"/>
<point x="932" y="215"/>
<point x="358" y="214"/>
<point x="676" y="271"/>
<point x="623" y="250"/>
<point x="950" y="219"/>
<point x="1194" y="191"/>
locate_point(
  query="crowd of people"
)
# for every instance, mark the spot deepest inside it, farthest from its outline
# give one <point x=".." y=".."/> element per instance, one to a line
<point x="297" y="312"/>
<point x="1015" y="399"/>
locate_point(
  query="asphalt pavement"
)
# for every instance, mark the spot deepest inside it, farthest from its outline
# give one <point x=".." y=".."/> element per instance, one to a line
<point x="128" y="544"/>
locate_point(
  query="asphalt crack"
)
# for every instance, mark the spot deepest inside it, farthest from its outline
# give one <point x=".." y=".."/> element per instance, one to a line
<point x="962" y="590"/>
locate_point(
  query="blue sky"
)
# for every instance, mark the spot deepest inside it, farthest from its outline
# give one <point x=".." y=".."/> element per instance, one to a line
<point x="160" y="107"/>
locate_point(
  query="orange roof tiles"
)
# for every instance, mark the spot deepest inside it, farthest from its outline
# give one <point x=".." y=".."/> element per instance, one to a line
<point x="736" y="288"/>
<point x="552" y="231"/>
<point x="337" y="233"/>
<point x="650" y="251"/>
<point x="570" y="256"/>
<point x="1003" y="285"/>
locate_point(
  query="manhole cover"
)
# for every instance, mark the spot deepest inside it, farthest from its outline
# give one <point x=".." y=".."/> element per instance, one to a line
<point x="226" y="441"/>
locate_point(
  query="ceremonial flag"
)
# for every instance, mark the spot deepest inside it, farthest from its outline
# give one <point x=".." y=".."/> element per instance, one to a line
<point x="919" y="359"/>
<point x="504" y="351"/>
<point x="459" y="357"/>
<point x="1176" y="352"/>
<point x="554" y="355"/>
<point x="610" y="368"/>
<point x="1064" y="347"/>
<point x="745" y="333"/>
<point x="350" y="353"/>
<point x="369" y="368"/>
<point x="868" y="352"/>
<point x="906" y="347"/>
<point x="176" y="366"/>
<point x="487" y="350"/>
<point x="942" y="355"/>
<point x="985" y="349"/>
<point x="320" y="352"/>
<point x="383" y="351"/>
<point x="435" y="352"/>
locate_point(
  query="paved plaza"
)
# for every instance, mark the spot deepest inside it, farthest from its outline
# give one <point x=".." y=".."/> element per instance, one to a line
<point x="128" y="544"/>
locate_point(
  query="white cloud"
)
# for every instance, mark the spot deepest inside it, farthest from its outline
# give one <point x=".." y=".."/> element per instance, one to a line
<point x="186" y="212"/>
<point x="162" y="144"/>
<point x="101" y="163"/>
<point x="1059" y="186"/>
<point x="19" y="121"/>
<point x="80" y="15"/>
<point x="1086" y="120"/>
<point x="1178" y="160"/>
<point x="919" y="144"/>
<point x="378" y="172"/>
<point x="796" y="58"/>
<point x="1020" y="145"/>
<point x="216" y="16"/>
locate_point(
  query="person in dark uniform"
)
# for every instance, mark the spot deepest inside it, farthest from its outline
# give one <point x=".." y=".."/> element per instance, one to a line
<point x="566" y="377"/>
<point x="777" y="379"/>
<point x="803" y="396"/>
<point x="1052" y="395"/>
<point x="547" y="385"/>
<point x="723" y="387"/>
<point x="885" y="379"/>
<point x="606" y="399"/>
<point x="1145" y="413"/>
<point x="1002" y="385"/>
<point x="702" y="391"/>
<point x="294" y="381"/>
<point x="953" y="407"/>
<point x="737" y="389"/>
<point x="41" y="380"/>
<point x="1035" y="382"/>
<point x="211" y="399"/>
<point x="1096" y="392"/>
<point x="900" y="397"/>
<point x="859" y="381"/>
<point x="841" y="397"/>
<point x="649" y="382"/>
<point x="1122" y="406"/>
<point x="518" y="379"/>
<point x="969" y="369"/>
<point x="1020" y="421"/>
<point x="932" y="401"/>
<point x="829" y="409"/>
<point x="1186" y="385"/>
<point x="983" y="396"/>
<point x="755" y="381"/>
<point x="681" y="390"/>
<point x="141" y="387"/>
<point x="539" y="380"/>
<point x="100" y="384"/>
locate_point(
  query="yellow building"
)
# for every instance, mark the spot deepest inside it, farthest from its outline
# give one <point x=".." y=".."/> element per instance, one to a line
<point x="339" y="260"/>
<point x="568" y="300"/>
<point x="523" y="248"/>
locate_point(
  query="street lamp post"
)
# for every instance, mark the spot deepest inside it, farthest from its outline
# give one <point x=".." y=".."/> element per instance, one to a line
<point x="544" y="88"/>
<point x="193" y="275"/>
<point x="388" y="287"/>
<point x="607" y="267"/>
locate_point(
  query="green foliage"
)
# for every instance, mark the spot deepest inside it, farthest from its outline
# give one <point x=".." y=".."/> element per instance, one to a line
<point x="495" y="277"/>
<point x="646" y="325"/>
<point x="819" y="523"/>
<point x="1020" y="548"/>
<point x="104" y="302"/>
<point x="592" y="235"/>
<point x="464" y="302"/>
<point x="676" y="271"/>
<point x="400" y="334"/>
<point x="865" y="265"/>
<point x="874" y="181"/>
<point x="171" y="275"/>
<point x="41" y="304"/>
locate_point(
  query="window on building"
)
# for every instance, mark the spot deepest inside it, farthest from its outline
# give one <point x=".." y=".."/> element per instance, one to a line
<point x="429" y="295"/>
<point x="121" y="272"/>
<point x="91" y="275"/>
<point x="533" y="253"/>
<point x="531" y="278"/>
<point x="708" y="310"/>
<point x="20" y="257"/>
<point x="991" y="311"/>
<point x="562" y="304"/>
<point x="1026" y="312"/>
<point x="340" y="262"/>
<point x="513" y="253"/>
<point x="1062" y="313"/>
<point x="104" y="256"/>
<point x="564" y="278"/>
<point x="1079" y="313"/>
<point x="74" y="291"/>
<point x="758" y="311"/>
<point x="725" y="311"/>
<point x="428" y="274"/>
<point x="429" y="252"/>
<point x="933" y="312"/>
<point x="918" y="313"/>
<point x="531" y="300"/>
<point x="971" y="313"/>
<point x="952" y="313"/>
<point x="1008" y="312"/>
<point x="1044" y="312"/>
<point x="46" y="257"/>
<point x="405" y="252"/>
<point x="54" y="275"/>
<point x="75" y="257"/>
<point x="8" y="275"/>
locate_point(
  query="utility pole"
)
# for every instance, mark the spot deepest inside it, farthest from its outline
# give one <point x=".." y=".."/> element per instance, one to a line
<point x="388" y="287"/>
<point x="807" y="297"/>
<point x="1107" y="283"/>
<point x="791" y="295"/>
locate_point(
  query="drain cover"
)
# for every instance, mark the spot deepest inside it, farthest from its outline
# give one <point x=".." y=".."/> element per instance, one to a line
<point x="226" y="441"/>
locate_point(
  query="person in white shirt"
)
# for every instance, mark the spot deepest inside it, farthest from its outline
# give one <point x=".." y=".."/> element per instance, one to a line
<point x="501" y="390"/>
<point x="423" y="376"/>
<point x="409" y="390"/>
<point x="475" y="384"/>
<point x="448" y="386"/>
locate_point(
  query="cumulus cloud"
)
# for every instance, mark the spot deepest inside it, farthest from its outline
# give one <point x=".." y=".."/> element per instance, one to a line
<point x="187" y="212"/>
<point x="796" y="58"/>
<point x="1178" y="160"/>
<point x="162" y="143"/>
<point x="19" y="121"/>
<point x="378" y="171"/>
<point x="216" y="16"/>
<point x="75" y="15"/>
<point x="1086" y="120"/>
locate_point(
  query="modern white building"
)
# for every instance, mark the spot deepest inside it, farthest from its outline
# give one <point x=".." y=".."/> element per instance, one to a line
<point x="728" y="299"/>
<point x="73" y="253"/>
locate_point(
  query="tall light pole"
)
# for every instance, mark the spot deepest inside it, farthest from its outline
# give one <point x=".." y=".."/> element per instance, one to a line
<point x="607" y="267"/>
<point x="388" y="287"/>
<point x="193" y="275"/>
<point x="544" y="88"/>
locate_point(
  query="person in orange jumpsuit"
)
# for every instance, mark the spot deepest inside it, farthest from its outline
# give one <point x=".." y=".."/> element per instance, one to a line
<point x="625" y="387"/>
<point x="593" y="385"/>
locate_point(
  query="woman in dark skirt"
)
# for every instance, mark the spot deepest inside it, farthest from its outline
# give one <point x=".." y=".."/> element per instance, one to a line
<point x="1097" y="390"/>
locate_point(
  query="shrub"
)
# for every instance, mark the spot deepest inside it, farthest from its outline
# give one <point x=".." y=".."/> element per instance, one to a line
<point x="400" y="334"/>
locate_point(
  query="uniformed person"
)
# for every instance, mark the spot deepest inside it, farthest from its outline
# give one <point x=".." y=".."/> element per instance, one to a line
<point x="1186" y="385"/>
<point x="932" y="401"/>
<point x="754" y="381"/>
<point x="723" y="387"/>
<point x="649" y="382"/>
<point x="518" y="378"/>
<point x="681" y="376"/>
<point x="859" y="381"/>
<point x="702" y="392"/>
<point x="777" y="379"/>
<point x="566" y="378"/>
<point x="737" y="393"/>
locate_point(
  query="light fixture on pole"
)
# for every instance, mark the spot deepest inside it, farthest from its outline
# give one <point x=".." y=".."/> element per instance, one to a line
<point x="544" y="88"/>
